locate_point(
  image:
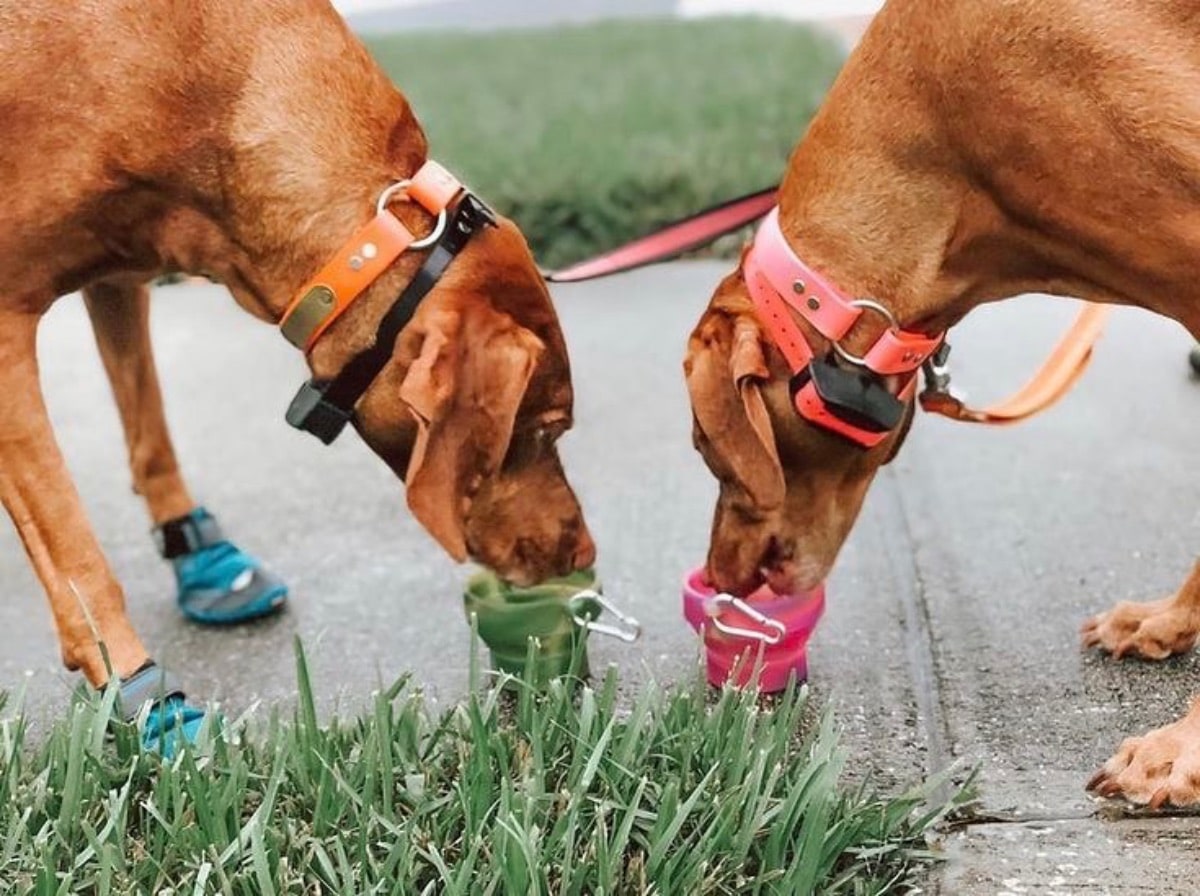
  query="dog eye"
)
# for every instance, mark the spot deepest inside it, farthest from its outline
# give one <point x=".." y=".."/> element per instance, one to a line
<point x="547" y="431"/>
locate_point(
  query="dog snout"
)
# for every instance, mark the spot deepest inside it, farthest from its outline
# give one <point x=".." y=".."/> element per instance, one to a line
<point x="584" y="556"/>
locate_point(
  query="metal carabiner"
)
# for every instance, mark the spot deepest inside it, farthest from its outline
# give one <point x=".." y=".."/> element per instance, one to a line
<point x="713" y="608"/>
<point x="628" y="629"/>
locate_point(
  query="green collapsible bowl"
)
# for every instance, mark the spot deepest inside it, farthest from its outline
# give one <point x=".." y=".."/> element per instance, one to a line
<point x="508" y="618"/>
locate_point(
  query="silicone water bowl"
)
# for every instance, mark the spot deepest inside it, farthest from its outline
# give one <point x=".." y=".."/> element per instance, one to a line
<point x="761" y="640"/>
<point x="553" y="617"/>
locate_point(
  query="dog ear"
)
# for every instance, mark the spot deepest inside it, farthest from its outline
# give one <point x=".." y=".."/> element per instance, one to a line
<point x="464" y="389"/>
<point x="724" y="369"/>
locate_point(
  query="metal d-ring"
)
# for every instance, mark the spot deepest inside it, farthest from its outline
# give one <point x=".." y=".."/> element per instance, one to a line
<point x="869" y="305"/>
<point x="439" y="226"/>
<point x="777" y="629"/>
<point x="628" y="629"/>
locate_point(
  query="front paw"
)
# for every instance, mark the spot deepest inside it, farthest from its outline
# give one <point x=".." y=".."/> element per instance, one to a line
<point x="222" y="585"/>
<point x="1160" y="768"/>
<point x="1152" y="631"/>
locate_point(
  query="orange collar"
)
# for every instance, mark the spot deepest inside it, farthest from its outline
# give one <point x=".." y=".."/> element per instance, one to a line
<point x="367" y="254"/>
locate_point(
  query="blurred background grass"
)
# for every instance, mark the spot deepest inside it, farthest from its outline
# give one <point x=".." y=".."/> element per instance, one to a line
<point x="593" y="135"/>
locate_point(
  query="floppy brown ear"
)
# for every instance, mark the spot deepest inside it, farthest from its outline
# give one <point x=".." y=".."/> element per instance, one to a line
<point x="464" y="389"/>
<point x="724" y="368"/>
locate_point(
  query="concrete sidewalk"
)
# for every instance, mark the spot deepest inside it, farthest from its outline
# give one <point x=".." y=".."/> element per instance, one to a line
<point x="951" y="630"/>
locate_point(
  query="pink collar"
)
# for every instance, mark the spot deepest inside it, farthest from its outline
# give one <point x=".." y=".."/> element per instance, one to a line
<point x="779" y="283"/>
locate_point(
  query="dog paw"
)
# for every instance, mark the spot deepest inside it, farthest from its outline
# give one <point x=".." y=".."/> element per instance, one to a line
<point x="1158" y="769"/>
<point x="220" y="584"/>
<point x="1152" y="631"/>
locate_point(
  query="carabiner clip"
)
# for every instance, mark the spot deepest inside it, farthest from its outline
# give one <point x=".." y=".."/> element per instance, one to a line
<point x="713" y="609"/>
<point x="628" y="629"/>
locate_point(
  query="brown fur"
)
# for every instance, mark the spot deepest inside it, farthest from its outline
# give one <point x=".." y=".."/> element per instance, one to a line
<point x="246" y="141"/>
<point x="969" y="151"/>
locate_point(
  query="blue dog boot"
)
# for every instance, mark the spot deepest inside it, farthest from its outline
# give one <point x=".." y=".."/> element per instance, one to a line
<point x="218" y="583"/>
<point x="170" y="722"/>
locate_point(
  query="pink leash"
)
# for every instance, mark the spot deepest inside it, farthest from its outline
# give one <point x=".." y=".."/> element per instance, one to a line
<point x="674" y="239"/>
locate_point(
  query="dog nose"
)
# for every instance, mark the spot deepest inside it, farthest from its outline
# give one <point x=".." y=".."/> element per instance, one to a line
<point x="585" y="551"/>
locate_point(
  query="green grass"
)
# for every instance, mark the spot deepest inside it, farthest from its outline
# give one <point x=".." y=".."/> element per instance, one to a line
<point x="591" y="136"/>
<point x="568" y="792"/>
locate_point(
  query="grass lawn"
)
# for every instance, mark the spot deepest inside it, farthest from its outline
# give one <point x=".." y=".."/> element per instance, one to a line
<point x="591" y="136"/>
<point x="570" y="792"/>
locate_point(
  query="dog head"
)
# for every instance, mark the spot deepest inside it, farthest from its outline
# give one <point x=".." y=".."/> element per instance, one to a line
<point x="469" y="411"/>
<point x="789" y="491"/>
<point x="477" y="390"/>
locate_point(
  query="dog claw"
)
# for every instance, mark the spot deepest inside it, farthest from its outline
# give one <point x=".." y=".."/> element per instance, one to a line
<point x="1161" y="797"/>
<point x="1109" y="789"/>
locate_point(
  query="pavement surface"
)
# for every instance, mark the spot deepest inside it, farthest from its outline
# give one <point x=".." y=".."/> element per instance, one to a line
<point x="950" y="636"/>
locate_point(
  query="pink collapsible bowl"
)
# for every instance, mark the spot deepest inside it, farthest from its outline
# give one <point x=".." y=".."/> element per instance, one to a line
<point x="765" y="637"/>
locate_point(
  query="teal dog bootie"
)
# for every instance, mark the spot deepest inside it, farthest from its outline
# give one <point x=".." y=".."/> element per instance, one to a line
<point x="171" y="721"/>
<point x="219" y="584"/>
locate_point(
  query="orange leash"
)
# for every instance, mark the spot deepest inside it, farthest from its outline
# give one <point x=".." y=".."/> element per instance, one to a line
<point x="1058" y="374"/>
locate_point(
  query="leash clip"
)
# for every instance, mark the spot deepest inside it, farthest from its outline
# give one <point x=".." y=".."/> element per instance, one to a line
<point x="939" y="396"/>
<point x="627" y="629"/>
<point x="775" y="630"/>
<point x="937" y="370"/>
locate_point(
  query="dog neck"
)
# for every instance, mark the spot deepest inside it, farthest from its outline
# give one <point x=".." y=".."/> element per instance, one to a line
<point x="875" y="204"/>
<point x="311" y="158"/>
<point x="284" y="153"/>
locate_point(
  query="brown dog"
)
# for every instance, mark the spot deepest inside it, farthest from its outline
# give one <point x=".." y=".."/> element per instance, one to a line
<point x="248" y="141"/>
<point x="969" y="151"/>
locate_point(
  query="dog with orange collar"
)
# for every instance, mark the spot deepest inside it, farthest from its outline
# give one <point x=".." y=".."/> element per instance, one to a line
<point x="260" y="144"/>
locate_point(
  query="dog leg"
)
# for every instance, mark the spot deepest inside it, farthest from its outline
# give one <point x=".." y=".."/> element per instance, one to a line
<point x="1159" y="768"/>
<point x="120" y="314"/>
<point x="1152" y="631"/>
<point x="85" y="598"/>
<point x="217" y="582"/>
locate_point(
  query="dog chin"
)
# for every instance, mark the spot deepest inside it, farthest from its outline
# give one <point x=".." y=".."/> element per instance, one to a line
<point x="785" y="577"/>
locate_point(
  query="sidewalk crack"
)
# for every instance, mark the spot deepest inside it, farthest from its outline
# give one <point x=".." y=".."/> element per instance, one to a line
<point x="918" y="640"/>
